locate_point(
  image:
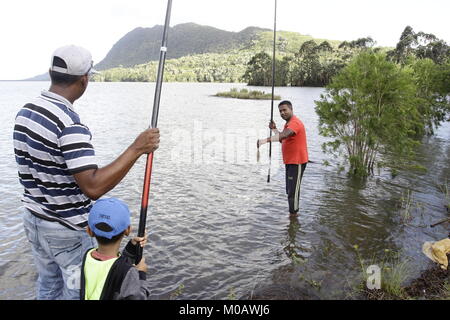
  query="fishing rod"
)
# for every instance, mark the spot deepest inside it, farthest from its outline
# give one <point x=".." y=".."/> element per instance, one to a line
<point x="440" y="222"/>
<point x="156" y="100"/>
<point x="273" y="87"/>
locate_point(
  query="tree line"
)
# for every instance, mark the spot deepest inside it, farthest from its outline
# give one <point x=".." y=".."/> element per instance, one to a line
<point x="207" y="67"/>
<point x="313" y="65"/>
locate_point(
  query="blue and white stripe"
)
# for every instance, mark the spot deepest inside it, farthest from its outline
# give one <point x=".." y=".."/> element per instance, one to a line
<point x="50" y="145"/>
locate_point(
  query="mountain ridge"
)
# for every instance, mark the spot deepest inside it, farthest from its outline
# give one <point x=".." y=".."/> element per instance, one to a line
<point x="142" y="45"/>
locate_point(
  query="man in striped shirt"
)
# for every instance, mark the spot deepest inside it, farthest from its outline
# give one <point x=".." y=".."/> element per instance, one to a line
<point x="57" y="168"/>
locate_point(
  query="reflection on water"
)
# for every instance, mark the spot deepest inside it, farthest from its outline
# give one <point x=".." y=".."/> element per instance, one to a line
<point x="292" y="249"/>
<point x="217" y="227"/>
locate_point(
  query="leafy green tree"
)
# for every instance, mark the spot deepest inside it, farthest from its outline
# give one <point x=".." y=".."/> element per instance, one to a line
<point x="283" y="72"/>
<point x="361" y="43"/>
<point x="433" y="89"/>
<point x="421" y="45"/>
<point x="370" y="110"/>
<point x="282" y="44"/>
<point x="308" y="48"/>
<point x="436" y="50"/>
<point x="306" y="65"/>
<point x="325" y="46"/>
<point x="259" y="70"/>
<point x="314" y="65"/>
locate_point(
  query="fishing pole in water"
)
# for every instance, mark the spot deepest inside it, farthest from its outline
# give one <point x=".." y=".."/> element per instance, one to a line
<point x="273" y="87"/>
<point x="440" y="222"/>
<point x="156" y="100"/>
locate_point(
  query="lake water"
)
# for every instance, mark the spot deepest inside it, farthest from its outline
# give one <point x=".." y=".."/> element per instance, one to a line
<point x="216" y="228"/>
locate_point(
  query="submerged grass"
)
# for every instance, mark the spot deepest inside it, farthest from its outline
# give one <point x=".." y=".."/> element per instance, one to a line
<point x="408" y="205"/>
<point x="178" y="291"/>
<point x="446" y="192"/>
<point x="247" y="94"/>
<point x="232" y="294"/>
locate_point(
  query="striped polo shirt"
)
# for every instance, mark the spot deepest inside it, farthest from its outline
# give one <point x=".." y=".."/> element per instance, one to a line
<point x="50" y="145"/>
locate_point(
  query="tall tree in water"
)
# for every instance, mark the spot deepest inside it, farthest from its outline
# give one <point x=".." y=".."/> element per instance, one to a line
<point x="370" y="109"/>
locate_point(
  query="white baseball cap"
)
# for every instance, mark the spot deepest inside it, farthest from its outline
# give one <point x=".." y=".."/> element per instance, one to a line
<point x="72" y="60"/>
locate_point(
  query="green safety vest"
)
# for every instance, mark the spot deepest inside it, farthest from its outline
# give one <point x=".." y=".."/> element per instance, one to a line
<point x="95" y="274"/>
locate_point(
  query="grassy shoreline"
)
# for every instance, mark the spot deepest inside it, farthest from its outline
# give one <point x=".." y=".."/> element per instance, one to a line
<point x="432" y="284"/>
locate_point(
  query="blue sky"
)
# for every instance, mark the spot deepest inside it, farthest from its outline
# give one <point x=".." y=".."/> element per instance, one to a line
<point x="31" y="30"/>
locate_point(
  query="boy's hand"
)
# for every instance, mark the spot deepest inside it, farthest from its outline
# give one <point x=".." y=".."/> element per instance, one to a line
<point x="141" y="240"/>
<point x="142" y="266"/>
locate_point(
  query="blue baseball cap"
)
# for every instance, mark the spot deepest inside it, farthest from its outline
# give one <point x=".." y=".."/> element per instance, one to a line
<point x="109" y="217"/>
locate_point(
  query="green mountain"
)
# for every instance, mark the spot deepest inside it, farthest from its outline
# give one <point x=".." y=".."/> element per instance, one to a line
<point x="209" y="55"/>
<point x="195" y="53"/>
<point x="142" y="45"/>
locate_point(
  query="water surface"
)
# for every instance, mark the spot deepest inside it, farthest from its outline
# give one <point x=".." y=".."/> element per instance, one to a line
<point x="215" y="225"/>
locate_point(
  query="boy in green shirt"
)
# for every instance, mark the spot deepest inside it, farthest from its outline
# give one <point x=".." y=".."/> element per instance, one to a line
<point x="105" y="273"/>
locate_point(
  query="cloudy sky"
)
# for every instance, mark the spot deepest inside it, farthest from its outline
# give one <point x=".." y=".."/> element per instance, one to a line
<point x="31" y="30"/>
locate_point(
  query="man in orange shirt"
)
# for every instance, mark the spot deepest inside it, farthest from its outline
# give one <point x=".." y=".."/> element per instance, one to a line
<point x="294" y="149"/>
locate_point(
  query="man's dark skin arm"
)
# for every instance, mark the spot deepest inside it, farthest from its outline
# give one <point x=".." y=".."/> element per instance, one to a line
<point x="286" y="133"/>
<point x="279" y="136"/>
<point x="96" y="182"/>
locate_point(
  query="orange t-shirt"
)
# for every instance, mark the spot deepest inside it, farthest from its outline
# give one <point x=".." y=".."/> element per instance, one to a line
<point x="294" y="148"/>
